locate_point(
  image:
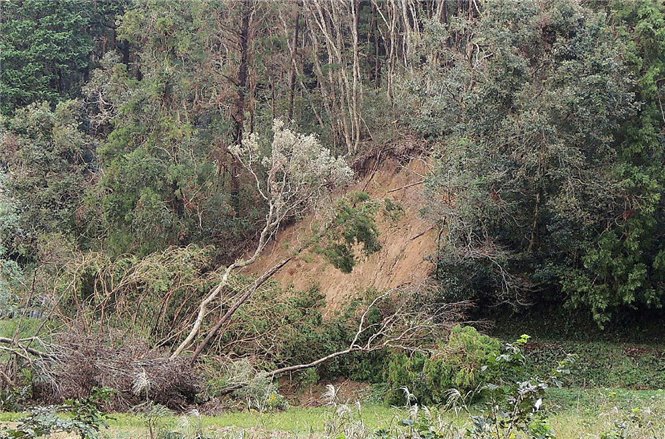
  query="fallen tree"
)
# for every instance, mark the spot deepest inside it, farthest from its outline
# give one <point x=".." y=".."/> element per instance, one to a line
<point x="404" y="328"/>
<point x="78" y="359"/>
<point x="405" y="324"/>
<point x="298" y="173"/>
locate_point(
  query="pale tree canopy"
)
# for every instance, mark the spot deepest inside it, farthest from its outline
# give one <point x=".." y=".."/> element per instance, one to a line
<point x="291" y="175"/>
<point x="294" y="172"/>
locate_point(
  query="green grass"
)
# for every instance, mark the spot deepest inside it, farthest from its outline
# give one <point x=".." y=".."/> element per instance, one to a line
<point x="299" y="420"/>
<point x="585" y="413"/>
<point x="576" y="413"/>
<point x="614" y="357"/>
<point x="602" y="364"/>
<point x="26" y="327"/>
<point x="22" y="327"/>
<point x="9" y="416"/>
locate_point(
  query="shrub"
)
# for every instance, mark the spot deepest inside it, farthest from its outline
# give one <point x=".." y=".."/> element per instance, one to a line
<point x="248" y="385"/>
<point x="81" y="416"/>
<point x="514" y="407"/>
<point x="467" y="356"/>
<point x="406" y="373"/>
<point x="466" y="362"/>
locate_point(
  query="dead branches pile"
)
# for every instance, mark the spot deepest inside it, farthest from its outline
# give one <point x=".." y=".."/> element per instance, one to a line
<point x="81" y="362"/>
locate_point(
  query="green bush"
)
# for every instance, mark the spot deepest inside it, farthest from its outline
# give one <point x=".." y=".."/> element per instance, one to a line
<point x="467" y="361"/>
<point x="80" y="416"/>
<point x="406" y="373"/>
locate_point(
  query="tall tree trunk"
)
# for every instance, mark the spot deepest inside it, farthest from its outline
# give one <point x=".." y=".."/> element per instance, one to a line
<point x="294" y="55"/>
<point x="242" y="81"/>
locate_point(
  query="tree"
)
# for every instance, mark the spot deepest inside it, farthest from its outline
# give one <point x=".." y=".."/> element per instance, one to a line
<point x="48" y="161"/>
<point x="525" y="184"/>
<point x="164" y="181"/>
<point x="247" y="16"/>
<point x="47" y="47"/>
<point x="293" y="175"/>
<point x="625" y="265"/>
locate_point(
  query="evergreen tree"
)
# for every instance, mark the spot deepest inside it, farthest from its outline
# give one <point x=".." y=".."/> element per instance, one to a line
<point x="625" y="264"/>
<point x="47" y="47"/>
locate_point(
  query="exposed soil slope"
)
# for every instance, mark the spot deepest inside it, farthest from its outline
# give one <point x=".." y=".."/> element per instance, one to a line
<point x="407" y="243"/>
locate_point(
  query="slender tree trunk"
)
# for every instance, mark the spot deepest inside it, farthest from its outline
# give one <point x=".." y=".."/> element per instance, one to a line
<point x="534" y="225"/>
<point x="377" y="48"/>
<point x="294" y="55"/>
<point x="242" y="82"/>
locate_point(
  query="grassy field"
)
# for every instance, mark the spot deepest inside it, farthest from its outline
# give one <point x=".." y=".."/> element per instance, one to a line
<point x="576" y="414"/>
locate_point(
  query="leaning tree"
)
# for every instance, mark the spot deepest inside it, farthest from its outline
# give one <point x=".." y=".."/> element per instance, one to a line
<point x="291" y="175"/>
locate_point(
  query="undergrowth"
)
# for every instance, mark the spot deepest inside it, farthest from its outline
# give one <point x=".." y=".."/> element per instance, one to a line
<point x="614" y="357"/>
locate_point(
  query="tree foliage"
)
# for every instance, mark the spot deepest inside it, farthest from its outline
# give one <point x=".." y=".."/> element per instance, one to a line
<point x="625" y="264"/>
<point x="163" y="155"/>
<point x="47" y="48"/>
<point x="466" y="363"/>
<point x="534" y="185"/>
<point x="49" y="160"/>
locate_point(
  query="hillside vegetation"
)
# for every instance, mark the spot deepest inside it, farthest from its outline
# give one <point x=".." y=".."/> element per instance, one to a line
<point x="455" y="207"/>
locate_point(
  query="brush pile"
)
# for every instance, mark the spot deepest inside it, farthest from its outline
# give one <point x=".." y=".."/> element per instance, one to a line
<point x="81" y="362"/>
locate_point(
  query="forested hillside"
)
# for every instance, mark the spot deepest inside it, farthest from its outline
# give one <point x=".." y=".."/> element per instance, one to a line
<point x="200" y="198"/>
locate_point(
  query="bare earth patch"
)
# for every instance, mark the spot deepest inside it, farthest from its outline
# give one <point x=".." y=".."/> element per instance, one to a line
<point x="406" y="242"/>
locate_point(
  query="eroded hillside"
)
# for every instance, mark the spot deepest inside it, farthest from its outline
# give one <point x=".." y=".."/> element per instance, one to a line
<point x="407" y="243"/>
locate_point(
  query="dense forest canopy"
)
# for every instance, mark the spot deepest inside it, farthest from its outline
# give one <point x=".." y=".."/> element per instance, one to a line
<point x="152" y="148"/>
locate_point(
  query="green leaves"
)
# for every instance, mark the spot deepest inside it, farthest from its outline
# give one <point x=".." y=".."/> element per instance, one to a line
<point x="550" y="175"/>
<point x="621" y="268"/>
<point x="168" y="178"/>
<point x="45" y="49"/>
<point x="468" y="361"/>
<point x="354" y="225"/>
<point x="48" y="159"/>
<point x="81" y="416"/>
